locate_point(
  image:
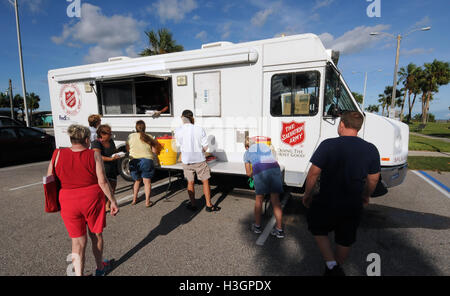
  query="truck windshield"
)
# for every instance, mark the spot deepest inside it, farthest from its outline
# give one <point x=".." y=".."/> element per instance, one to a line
<point x="342" y="101"/>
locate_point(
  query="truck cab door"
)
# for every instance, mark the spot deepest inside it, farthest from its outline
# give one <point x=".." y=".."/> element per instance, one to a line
<point x="291" y="118"/>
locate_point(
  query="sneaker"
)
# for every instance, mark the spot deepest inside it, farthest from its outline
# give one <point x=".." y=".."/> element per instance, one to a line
<point x="277" y="233"/>
<point x="256" y="229"/>
<point x="336" y="271"/>
<point x="106" y="268"/>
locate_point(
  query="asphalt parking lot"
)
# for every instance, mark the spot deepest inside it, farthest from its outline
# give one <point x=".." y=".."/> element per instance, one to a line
<point x="409" y="228"/>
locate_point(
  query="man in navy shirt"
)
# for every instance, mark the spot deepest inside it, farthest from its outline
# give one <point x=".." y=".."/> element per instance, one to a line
<point x="349" y="169"/>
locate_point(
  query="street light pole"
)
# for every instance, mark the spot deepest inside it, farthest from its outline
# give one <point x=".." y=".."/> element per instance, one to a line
<point x="394" y="85"/>
<point x="11" y="99"/>
<point x="365" y="83"/>
<point x="16" y="7"/>
<point x="364" y="92"/>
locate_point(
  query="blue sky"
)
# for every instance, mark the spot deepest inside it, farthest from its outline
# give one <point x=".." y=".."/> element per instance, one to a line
<point x="51" y="39"/>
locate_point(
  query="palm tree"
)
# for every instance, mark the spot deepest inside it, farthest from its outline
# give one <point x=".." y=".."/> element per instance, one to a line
<point x="407" y="76"/>
<point x="160" y="42"/>
<point x="386" y="98"/>
<point x="383" y="102"/>
<point x="373" y="108"/>
<point x="414" y="84"/>
<point x="436" y="74"/>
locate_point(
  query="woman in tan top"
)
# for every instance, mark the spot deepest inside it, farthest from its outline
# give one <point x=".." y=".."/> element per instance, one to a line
<point x="143" y="149"/>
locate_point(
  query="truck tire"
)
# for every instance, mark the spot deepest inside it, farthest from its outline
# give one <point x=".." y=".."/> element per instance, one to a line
<point x="124" y="168"/>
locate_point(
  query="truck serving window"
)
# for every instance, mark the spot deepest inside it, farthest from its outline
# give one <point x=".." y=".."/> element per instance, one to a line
<point x="295" y="94"/>
<point x="336" y="95"/>
<point x="139" y="95"/>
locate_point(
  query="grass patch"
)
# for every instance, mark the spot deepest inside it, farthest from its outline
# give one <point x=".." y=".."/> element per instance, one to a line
<point x="434" y="129"/>
<point x="441" y="164"/>
<point x="417" y="143"/>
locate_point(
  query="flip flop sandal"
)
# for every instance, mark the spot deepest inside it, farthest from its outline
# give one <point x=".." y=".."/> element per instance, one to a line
<point x="212" y="209"/>
<point x="149" y="205"/>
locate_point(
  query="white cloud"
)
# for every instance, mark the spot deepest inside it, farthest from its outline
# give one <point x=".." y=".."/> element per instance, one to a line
<point x="322" y="3"/>
<point x="225" y="30"/>
<point x="202" y="36"/>
<point x="35" y="6"/>
<point x="261" y="16"/>
<point x="425" y="21"/>
<point x="416" y="51"/>
<point x="109" y="35"/>
<point x="355" y="40"/>
<point x="174" y="10"/>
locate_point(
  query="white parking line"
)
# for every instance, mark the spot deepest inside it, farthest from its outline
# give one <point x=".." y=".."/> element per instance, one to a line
<point x="130" y="197"/>
<point x="265" y="234"/>
<point x="24" y="186"/>
<point x="440" y="189"/>
<point x="24" y="166"/>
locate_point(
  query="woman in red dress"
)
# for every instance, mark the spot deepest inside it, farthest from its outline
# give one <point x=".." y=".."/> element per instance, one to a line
<point x="82" y="196"/>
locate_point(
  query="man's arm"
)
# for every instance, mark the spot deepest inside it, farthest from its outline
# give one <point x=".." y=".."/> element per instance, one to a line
<point x="311" y="179"/>
<point x="369" y="188"/>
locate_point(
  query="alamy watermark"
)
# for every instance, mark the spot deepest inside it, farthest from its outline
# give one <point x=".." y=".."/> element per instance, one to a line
<point x="74" y="8"/>
<point x="374" y="268"/>
<point x="374" y="9"/>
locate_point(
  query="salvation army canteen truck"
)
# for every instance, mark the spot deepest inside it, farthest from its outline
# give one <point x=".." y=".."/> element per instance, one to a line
<point x="288" y="89"/>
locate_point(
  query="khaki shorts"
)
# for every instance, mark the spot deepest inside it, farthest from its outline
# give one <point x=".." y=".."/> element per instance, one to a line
<point x="201" y="169"/>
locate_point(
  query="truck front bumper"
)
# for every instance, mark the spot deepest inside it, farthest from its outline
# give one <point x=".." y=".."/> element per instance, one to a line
<point x="393" y="176"/>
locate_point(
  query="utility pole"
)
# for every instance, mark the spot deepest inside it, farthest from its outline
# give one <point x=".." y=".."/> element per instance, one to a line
<point x="16" y="6"/>
<point x="11" y="105"/>
<point x="394" y="85"/>
<point x="365" y="88"/>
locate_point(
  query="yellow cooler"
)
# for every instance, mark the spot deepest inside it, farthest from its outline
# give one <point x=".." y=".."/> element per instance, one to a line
<point x="265" y="140"/>
<point x="168" y="156"/>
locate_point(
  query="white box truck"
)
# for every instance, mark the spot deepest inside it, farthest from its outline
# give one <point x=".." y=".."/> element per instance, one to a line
<point x="286" y="88"/>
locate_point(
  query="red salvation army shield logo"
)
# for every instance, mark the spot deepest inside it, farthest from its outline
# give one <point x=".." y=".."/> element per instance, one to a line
<point x="293" y="133"/>
<point x="70" y="99"/>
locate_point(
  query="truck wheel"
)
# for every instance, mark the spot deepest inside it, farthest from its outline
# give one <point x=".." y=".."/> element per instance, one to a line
<point x="124" y="168"/>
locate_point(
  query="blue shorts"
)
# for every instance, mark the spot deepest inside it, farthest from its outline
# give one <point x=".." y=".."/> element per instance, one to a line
<point x="268" y="181"/>
<point x="142" y="168"/>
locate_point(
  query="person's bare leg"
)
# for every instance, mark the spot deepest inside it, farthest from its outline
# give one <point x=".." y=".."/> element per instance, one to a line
<point x="207" y="192"/>
<point x="277" y="211"/>
<point x="325" y="247"/>
<point x="191" y="192"/>
<point x="108" y="202"/>
<point x="97" y="248"/>
<point x="78" y="254"/>
<point x="341" y="253"/>
<point x="148" y="190"/>
<point x="258" y="209"/>
<point x="136" y="186"/>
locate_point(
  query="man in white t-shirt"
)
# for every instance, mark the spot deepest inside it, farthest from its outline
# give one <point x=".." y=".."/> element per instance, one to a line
<point x="193" y="143"/>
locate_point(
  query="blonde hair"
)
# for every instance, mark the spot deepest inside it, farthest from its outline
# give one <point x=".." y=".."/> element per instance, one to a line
<point x="78" y="134"/>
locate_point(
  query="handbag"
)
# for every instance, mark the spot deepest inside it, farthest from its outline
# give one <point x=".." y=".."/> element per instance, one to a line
<point x="52" y="186"/>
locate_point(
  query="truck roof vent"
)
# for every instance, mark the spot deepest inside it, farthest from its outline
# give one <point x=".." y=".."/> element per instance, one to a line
<point x="217" y="44"/>
<point x="114" y="59"/>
